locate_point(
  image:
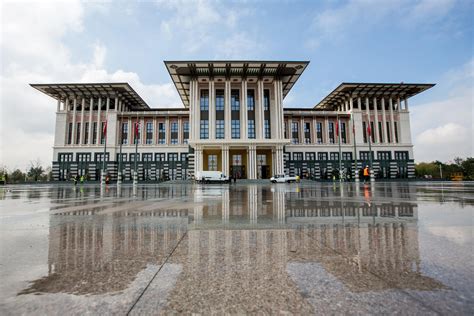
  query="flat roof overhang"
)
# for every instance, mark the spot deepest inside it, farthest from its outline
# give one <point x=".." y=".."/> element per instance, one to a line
<point x="182" y="72"/>
<point x="355" y="89"/>
<point x="60" y="91"/>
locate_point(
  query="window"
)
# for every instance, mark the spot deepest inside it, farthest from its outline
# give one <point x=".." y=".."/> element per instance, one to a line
<point x="69" y="134"/>
<point x="147" y="157"/>
<point x="212" y="162"/>
<point x="219" y="129"/>
<point x="298" y="156"/>
<point x="346" y="156"/>
<point x="149" y="133"/>
<point x="204" y="100"/>
<point x="204" y="129"/>
<point x="219" y="100"/>
<point x="235" y="100"/>
<point x="343" y="133"/>
<point x="389" y="136"/>
<point x="266" y="100"/>
<point x="125" y="133"/>
<point x="286" y="129"/>
<point x="401" y="155"/>
<point x="83" y="157"/>
<point x="94" y="133"/>
<point x="334" y="156"/>
<point x="310" y="156"/>
<point x="174" y="133"/>
<point x="184" y="157"/>
<point x="372" y="132"/>
<point x="307" y="133"/>
<point x="319" y="132"/>
<point x="132" y="157"/>
<point x="384" y="155"/>
<point x="251" y="128"/>
<point x="86" y="133"/>
<point x="395" y="125"/>
<point x="99" y="157"/>
<point x="364" y="131"/>
<point x="161" y="133"/>
<point x="160" y="157"/>
<point x="381" y="132"/>
<point x="173" y="157"/>
<point x="250" y="100"/>
<point x="236" y="160"/>
<point x="294" y="133"/>
<point x="185" y="132"/>
<point x="331" y="133"/>
<point x="235" y="129"/>
<point x="78" y="133"/>
<point x="364" y="155"/>
<point x="65" y="157"/>
<point x="267" y="129"/>
<point x="124" y="157"/>
<point x="322" y="156"/>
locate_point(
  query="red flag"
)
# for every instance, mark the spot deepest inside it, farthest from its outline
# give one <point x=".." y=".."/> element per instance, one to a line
<point x="137" y="127"/>
<point x="104" y="130"/>
<point x="337" y="128"/>
<point x="368" y="129"/>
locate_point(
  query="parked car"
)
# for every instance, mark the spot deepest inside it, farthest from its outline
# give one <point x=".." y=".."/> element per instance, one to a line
<point x="211" y="176"/>
<point x="281" y="178"/>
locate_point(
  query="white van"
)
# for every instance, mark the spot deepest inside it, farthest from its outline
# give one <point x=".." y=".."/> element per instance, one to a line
<point x="211" y="176"/>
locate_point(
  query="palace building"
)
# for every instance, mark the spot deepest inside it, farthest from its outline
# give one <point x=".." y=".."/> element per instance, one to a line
<point x="232" y="120"/>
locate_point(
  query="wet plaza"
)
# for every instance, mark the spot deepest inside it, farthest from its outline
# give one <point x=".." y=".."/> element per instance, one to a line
<point x="172" y="248"/>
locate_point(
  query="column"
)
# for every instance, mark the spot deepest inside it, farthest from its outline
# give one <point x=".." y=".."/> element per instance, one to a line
<point x="351" y="104"/>
<point x="406" y="104"/>
<point x="313" y="131"/>
<point x="74" y="104"/>
<point x="99" y="120"/>
<point x="392" y="121"/>
<point x="83" y="105"/>
<point x="244" y="112"/>
<point x="116" y="105"/>
<point x="58" y="108"/>
<point x="129" y="131"/>
<point x="259" y="117"/>
<point x="180" y="129"/>
<point x="289" y="129"/>
<point x="252" y="162"/>
<point x="376" y="122"/>
<point x="225" y="160"/>
<point x="91" y="110"/>
<point x="227" y="115"/>
<point x="66" y="105"/>
<point x="167" y="130"/>
<point x="107" y="106"/>
<point x="326" y="130"/>
<point x="384" y="122"/>
<point x="301" y="140"/>
<point x="191" y="110"/>
<point x="212" y="110"/>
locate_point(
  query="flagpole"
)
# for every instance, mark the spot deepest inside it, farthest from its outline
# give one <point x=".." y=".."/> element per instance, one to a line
<point x="356" y="176"/>
<point x="369" y="128"/>
<point x="119" y="176"/>
<point x="340" y="153"/>
<point x="136" y="146"/>
<point x="104" y="131"/>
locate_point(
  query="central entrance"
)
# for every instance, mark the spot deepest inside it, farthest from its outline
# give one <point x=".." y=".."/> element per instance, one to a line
<point x="238" y="163"/>
<point x="264" y="163"/>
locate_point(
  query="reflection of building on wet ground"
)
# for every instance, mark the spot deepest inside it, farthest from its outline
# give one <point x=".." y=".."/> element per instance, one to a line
<point x="242" y="232"/>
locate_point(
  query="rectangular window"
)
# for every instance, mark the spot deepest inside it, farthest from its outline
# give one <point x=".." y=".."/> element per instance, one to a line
<point x="160" y="157"/>
<point x="266" y="100"/>
<point x="219" y="100"/>
<point x="147" y="157"/>
<point x="173" y="157"/>
<point x="364" y="155"/>
<point x="372" y="132"/>
<point x="396" y="131"/>
<point x="94" y="133"/>
<point x="298" y="156"/>
<point x="250" y="100"/>
<point x="310" y="156"/>
<point x="186" y="132"/>
<point x="99" y="157"/>
<point x="343" y="133"/>
<point x="389" y="136"/>
<point x="219" y="129"/>
<point x="235" y="100"/>
<point x="267" y="129"/>
<point x="204" y="100"/>
<point x="204" y="134"/>
<point x="86" y="133"/>
<point x="149" y="133"/>
<point x="346" y="156"/>
<point x="381" y="132"/>
<point x="384" y="155"/>
<point x="174" y="133"/>
<point x="212" y="162"/>
<point x="184" y="157"/>
<point x="334" y="156"/>
<point x="319" y="132"/>
<point x="69" y="134"/>
<point x="132" y="157"/>
<point x="83" y="157"/>
<point x="331" y="133"/>
<point x="286" y="129"/>
<point x="322" y="156"/>
<point x="401" y="155"/>
<point x="236" y="160"/>
<point x="364" y="131"/>
<point x="125" y="133"/>
<point x="161" y="133"/>
<point x="251" y="129"/>
<point x="294" y="133"/>
<point x="65" y="157"/>
<point x="78" y="133"/>
<point x="124" y="157"/>
<point x="307" y="132"/>
<point x="235" y="129"/>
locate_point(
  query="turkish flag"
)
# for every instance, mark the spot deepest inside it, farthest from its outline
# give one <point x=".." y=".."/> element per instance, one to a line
<point x="137" y="127"/>
<point x="369" y="131"/>
<point x="104" y="130"/>
<point x="337" y="128"/>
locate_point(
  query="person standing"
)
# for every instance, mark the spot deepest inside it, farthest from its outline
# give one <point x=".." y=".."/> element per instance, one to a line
<point x="366" y="174"/>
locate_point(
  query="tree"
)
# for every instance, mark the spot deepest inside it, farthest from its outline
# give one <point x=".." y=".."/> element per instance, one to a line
<point x="17" y="176"/>
<point x="36" y="170"/>
<point x="468" y="168"/>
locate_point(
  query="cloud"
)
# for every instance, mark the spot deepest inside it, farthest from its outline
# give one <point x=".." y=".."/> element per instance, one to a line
<point x="444" y="129"/>
<point x="34" y="51"/>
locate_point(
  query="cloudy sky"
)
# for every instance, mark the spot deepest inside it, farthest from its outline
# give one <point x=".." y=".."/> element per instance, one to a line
<point x="429" y="41"/>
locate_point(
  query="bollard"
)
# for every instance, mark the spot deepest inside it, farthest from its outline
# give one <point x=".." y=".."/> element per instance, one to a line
<point x="372" y="176"/>
<point x="119" y="179"/>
